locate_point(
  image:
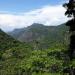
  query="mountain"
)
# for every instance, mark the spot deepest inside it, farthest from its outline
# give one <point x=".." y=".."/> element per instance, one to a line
<point x="10" y="45"/>
<point x="46" y="36"/>
<point x="12" y="52"/>
<point x="27" y="58"/>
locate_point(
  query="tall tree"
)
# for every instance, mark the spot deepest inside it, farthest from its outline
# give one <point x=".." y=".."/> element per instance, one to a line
<point x="71" y="23"/>
<point x="70" y="6"/>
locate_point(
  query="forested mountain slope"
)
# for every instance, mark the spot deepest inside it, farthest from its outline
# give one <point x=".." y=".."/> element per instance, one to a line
<point x="43" y="54"/>
<point x="46" y="36"/>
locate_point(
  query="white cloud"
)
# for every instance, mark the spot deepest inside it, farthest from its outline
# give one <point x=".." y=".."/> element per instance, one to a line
<point x="48" y="15"/>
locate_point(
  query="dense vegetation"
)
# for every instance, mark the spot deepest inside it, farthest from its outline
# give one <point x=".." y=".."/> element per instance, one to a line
<point x="18" y="58"/>
<point x="11" y="53"/>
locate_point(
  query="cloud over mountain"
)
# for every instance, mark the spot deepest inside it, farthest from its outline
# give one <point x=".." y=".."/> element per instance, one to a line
<point x="48" y="15"/>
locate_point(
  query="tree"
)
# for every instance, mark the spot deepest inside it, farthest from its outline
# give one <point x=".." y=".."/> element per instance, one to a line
<point x="71" y="23"/>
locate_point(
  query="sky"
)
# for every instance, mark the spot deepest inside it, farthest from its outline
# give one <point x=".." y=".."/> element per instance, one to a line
<point x="23" y="13"/>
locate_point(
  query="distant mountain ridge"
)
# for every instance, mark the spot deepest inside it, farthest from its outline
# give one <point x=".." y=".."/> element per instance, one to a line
<point x="46" y="35"/>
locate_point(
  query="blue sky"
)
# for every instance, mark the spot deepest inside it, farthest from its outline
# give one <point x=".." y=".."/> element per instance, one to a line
<point x="23" y="13"/>
<point x="25" y="5"/>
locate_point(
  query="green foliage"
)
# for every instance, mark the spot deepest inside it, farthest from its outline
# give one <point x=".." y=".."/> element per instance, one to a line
<point x="17" y="58"/>
<point x="41" y="62"/>
<point x="7" y="41"/>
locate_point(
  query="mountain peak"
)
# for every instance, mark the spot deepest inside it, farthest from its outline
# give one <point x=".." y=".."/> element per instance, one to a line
<point x="37" y="24"/>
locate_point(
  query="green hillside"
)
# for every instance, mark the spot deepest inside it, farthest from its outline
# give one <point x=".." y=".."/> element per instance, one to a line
<point x="31" y="58"/>
<point x="6" y="41"/>
<point x="46" y="36"/>
<point x="11" y="53"/>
